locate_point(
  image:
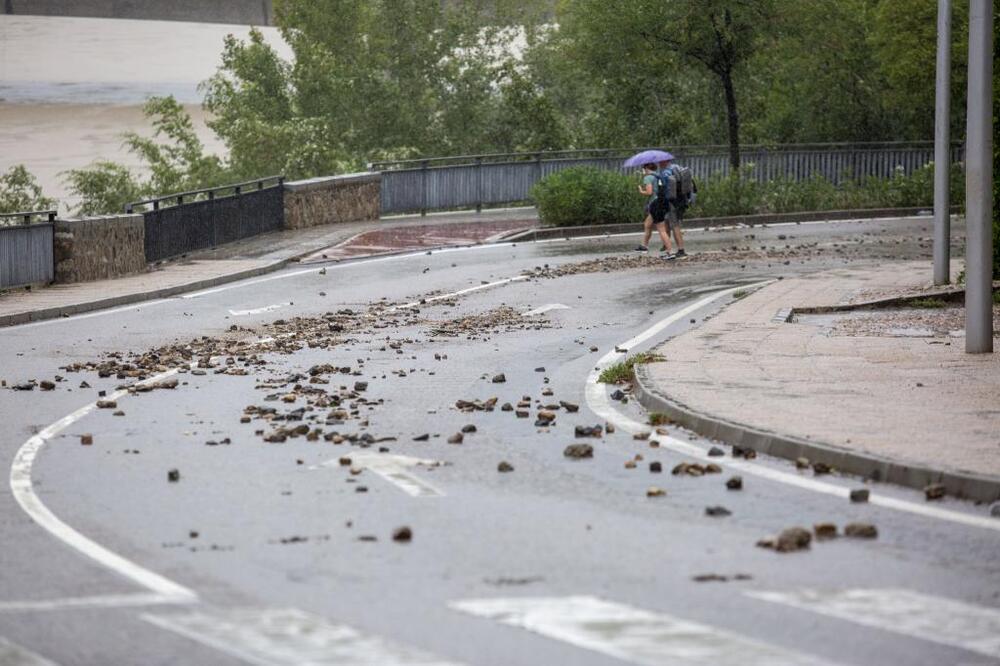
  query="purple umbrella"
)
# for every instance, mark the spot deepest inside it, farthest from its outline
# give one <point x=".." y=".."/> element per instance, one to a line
<point x="648" y="157"/>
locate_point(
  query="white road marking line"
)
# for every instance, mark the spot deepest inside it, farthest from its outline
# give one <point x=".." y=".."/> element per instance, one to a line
<point x="266" y="308"/>
<point x="631" y="634"/>
<point x="15" y="655"/>
<point x="99" y="601"/>
<point x="392" y="468"/>
<point x="22" y="488"/>
<point x="546" y="308"/>
<point x="88" y="315"/>
<point x="460" y="292"/>
<point x="937" y="619"/>
<point x="599" y="403"/>
<point x="336" y="265"/>
<point x="288" y="636"/>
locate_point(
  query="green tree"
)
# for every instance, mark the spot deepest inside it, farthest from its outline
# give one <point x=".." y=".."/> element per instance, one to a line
<point x="20" y="193"/>
<point x="174" y="158"/>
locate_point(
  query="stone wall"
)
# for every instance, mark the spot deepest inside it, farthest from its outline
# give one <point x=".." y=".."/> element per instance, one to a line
<point x="98" y="248"/>
<point x="333" y="199"/>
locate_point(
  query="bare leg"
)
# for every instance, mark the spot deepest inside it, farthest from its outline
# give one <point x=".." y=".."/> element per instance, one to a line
<point x="662" y="229"/>
<point x="678" y="237"/>
<point x="647" y="227"/>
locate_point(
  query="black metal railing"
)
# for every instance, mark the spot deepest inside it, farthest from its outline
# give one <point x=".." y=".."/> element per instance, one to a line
<point x="176" y="224"/>
<point x="206" y="194"/>
<point x="28" y="217"/>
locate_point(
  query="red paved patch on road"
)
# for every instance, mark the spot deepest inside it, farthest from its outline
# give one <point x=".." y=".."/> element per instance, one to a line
<point x="397" y="239"/>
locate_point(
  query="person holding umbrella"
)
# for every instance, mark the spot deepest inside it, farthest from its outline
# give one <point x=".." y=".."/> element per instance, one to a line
<point x="655" y="215"/>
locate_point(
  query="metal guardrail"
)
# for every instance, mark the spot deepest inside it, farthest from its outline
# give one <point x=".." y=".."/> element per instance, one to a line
<point x="206" y="194"/>
<point x="474" y="181"/>
<point x="27" y="217"/>
<point x="26" y="248"/>
<point x="201" y="219"/>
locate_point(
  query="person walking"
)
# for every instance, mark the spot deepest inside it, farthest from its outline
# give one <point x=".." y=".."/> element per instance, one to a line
<point x="679" y="204"/>
<point x="654" y="216"/>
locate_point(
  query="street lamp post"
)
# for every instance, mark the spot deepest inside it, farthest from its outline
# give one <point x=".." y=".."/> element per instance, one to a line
<point x="979" y="182"/>
<point x="942" y="147"/>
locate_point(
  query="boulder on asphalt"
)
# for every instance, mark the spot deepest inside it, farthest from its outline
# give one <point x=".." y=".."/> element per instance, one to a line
<point x="107" y="404"/>
<point x="402" y="534"/>
<point x="499" y="379"/>
<point x="715" y="452"/>
<point x="735" y="483"/>
<point x="934" y="491"/>
<point x="46" y="385"/>
<point x="859" y="495"/>
<point x="860" y="531"/>
<point x="717" y="511"/>
<point x="579" y="451"/>
<point x="456" y="438"/>
<point x="825" y="531"/>
<point x="505" y="466"/>
<point x="173" y="476"/>
<point x="654" y="491"/>
<point x="792" y="539"/>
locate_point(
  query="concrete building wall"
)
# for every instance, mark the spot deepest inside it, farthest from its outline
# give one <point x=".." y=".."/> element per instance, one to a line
<point x="98" y="248"/>
<point x="247" y="12"/>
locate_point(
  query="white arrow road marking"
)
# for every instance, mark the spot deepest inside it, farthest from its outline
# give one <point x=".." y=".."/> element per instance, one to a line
<point x="288" y="636"/>
<point x="632" y="634"/>
<point x="545" y="308"/>
<point x="599" y="403"/>
<point x="15" y="655"/>
<point x="936" y="619"/>
<point x="392" y="468"/>
<point x="266" y="308"/>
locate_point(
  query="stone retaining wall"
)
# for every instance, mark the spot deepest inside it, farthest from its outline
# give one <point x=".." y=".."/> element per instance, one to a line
<point x="98" y="248"/>
<point x="333" y="199"/>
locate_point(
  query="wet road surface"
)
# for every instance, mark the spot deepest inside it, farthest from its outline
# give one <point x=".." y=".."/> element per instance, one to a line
<point x="270" y="552"/>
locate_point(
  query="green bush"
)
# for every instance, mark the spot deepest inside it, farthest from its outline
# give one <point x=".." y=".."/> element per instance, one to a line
<point x="20" y="193"/>
<point x="585" y="195"/>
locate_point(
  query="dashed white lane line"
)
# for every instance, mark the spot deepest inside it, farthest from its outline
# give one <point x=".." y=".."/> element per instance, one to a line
<point x="599" y="402"/>
<point x="254" y="311"/>
<point x="931" y="618"/>
<point x="392" y="468"/>
<point x="288" y="636"/>
<point x="632" y="634"/>
<point x="15" y="655"/>
<point x="546" y="308"/>
<point x="460" y="292"/>
<point x="98" y="601"/>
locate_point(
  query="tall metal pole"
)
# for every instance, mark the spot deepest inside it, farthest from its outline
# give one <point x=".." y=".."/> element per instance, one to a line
<point x="942" y="147"/>
<point x="979" y="182"/>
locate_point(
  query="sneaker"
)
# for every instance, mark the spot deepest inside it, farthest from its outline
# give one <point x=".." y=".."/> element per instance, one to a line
<point x="681" y="253"/>
<point x="642" y="248"/>
<point x="669" y="257"/>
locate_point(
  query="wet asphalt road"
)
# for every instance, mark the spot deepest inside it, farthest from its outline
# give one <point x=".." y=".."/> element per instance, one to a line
<point x="283" y="526"/>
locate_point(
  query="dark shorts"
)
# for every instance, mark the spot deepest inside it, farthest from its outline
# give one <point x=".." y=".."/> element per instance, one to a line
<point x="654" y="211"/>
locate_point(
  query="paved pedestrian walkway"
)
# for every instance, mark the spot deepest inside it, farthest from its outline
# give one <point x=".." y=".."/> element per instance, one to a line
<point x="893" y="384"/>
<point x="258" y="255"/>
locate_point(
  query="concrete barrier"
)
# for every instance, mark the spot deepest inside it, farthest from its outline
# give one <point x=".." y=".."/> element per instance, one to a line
<point x="98" y="248"/>
<point x="329" y="200"/>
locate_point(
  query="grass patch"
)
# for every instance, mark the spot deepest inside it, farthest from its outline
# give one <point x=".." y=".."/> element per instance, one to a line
<point x="740" y="293"/>
<point x="928" y="303"/>
<point x="621" y="373"/>
<point x="659" y="419"/>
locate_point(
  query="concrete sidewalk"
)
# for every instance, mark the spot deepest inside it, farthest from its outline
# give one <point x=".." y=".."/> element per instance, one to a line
<point x="888" y="394"/>
<point x="256" y="256"/>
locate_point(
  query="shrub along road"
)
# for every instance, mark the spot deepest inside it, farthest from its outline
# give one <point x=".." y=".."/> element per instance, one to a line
<point x="334" y="474"/>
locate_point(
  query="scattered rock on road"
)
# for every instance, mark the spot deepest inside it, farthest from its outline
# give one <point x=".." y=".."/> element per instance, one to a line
<point x="825" y="531"/>
<point x="87" y="439"/>
<point x="499" y="379"/>
<point x="402" y="534"/>
<point x="505" y="466"/>
<point x="173" y="476"/>
<point x="735" y="483"/>
<point x="934" y="491"/>
<point x="792" y="539"/>
<point x="106" y="404"/>
<point x="46" y="385"/>
<point x="717" y="511"/>
<point x="579" y="451"/>
<point x="802" y="463"/>
<point x="654" y="491"/>
<point x="456" y="438"/>
<point x="859" y="495"/>
<point x="715" y="452"/>
<point x="821" y="468"/>
<point x="860" y="531"/>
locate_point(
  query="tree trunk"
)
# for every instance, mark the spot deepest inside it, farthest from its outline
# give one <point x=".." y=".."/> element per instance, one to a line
<point x="734" y="120"/>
